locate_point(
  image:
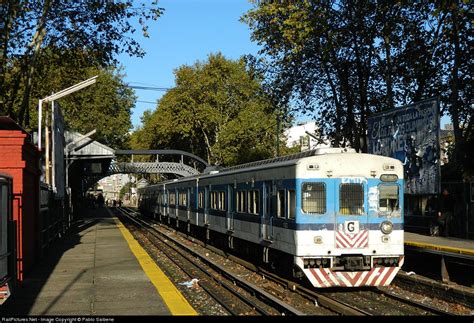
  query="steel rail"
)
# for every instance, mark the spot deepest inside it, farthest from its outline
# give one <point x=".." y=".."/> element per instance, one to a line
<point x="414" y="303"/>
<point x="327" y="302"/>
<point x="208" y="290"/>
<point x="253" y="289"/>
<point x="324" y="300"/>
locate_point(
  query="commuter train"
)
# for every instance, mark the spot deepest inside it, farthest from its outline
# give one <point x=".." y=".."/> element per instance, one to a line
<point x="330" y="215"/>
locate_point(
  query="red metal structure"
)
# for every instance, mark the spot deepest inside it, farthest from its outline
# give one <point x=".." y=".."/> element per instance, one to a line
<point x="19" y="158"/>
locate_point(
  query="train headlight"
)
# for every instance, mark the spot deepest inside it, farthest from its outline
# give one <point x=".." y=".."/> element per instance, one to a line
<point x="386" y="227"/>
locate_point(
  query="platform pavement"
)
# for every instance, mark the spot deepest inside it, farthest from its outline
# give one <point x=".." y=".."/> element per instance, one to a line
<point x="90" y="271"/>
<point x="443" y="244"/>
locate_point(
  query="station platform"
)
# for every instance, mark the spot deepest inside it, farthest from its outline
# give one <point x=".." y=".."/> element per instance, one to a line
<point x="97" y="268"/>
<point x="442" y="245"/>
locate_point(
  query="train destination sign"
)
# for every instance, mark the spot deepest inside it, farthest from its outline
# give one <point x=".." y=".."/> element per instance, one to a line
<point x="411" y="135"/>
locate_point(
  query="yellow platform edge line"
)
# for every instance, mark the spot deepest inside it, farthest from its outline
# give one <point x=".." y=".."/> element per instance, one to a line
<point x="440" y="248"/>
<point x="173" y="299"/>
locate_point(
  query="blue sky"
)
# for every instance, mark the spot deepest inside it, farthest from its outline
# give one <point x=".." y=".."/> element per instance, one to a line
<point x="189" y="30"/>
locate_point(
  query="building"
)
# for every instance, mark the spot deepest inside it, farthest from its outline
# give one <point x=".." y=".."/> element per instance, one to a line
<point x="112" y="185"/>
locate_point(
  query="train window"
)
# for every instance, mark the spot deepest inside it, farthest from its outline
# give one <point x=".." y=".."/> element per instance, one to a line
<point x="240" y="202"/>
<point x="250" y="202"/>
<point x="253" y="202"/>
<point x="291" y="204"/>
<point x="281" y="203"/>
<point x="182" y="199"/>
<point x="221" y="201"/>
<point x="172" y="197"/>
<point x="388" y="198"/>
<point x="214" y="200"/>
<point x="218" y="200"/>
<point x="244" y="201"/>
<point x="256" y="202"/>
<point x="237" y="201"/>
<point x="200" y="199"/>
<point x="314" y="198"/>
<point x="351" y="199"/>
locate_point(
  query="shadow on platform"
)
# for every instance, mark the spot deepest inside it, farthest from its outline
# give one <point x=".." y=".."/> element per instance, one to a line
<point x="25" y="295"/>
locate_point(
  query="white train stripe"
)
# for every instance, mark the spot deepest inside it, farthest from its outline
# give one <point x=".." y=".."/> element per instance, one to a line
<point x="381" y="276"/>
<point x="343" y="279"/>
<point x="359" y="240"/>
<point x="373" y="276"/>
<point x="391" y="277"/>
<point x="322" y="279"/>
<point x="334" y="278"/>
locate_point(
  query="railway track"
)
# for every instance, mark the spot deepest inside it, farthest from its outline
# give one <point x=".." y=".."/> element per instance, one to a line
<point x="446" y="292"/>
<point x="283" y="292"/>
<point x="236" y="295"/>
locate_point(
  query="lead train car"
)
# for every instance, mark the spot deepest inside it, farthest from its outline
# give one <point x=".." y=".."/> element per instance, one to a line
<point x="335" y="217"/>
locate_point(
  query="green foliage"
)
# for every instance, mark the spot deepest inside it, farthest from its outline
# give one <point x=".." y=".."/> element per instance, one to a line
<point x="342" y="61"/>
<point x="216" y="111"/>
<point x="98" y="29"/>
<point x="104" y="106"/>
<point x="125" y="189"/>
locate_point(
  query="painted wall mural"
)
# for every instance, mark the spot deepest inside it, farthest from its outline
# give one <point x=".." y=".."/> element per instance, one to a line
<point x="411" y="135"/>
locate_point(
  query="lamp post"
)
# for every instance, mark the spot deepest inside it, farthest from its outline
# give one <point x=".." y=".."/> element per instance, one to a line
<point x="51" y="99"/>
<point x="58" y="95"/>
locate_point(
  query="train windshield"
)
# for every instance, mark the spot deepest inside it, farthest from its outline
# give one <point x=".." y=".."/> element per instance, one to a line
<point x="388" y="198"/>
<point x="313" y="198"/>
<point x="351" y="199"/>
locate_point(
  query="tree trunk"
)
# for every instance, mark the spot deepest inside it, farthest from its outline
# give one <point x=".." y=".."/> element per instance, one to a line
<point x="454" y="107"/>
<point x="34" y="49"/>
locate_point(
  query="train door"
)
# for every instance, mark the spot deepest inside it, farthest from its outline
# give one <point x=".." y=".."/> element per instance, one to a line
<point x="267" y="211"/>
<point x="188" y="203"/>
<point x="163" y="202"/>
<point x="230" y="208"/>
<point x="166" y="204"/>
<point x="206" y="205"/>
<point x="351" y="216"/>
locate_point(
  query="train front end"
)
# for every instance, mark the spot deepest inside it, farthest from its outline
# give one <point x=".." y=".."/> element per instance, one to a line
<point x="350" y="220"/>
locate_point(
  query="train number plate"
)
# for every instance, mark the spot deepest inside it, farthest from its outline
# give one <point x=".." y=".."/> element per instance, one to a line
<point x="351" y="227"/>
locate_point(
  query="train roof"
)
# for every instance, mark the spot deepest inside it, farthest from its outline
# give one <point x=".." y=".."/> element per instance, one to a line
<point x="262" y="164"/>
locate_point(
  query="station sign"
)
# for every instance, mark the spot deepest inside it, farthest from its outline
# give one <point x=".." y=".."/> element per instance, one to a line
<point x="411" y="135"/>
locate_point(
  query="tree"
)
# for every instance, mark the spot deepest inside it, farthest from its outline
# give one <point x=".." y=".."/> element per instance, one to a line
<point x="217" y="111"/>
<point x="125" y="189"/>
<point x="101" y="29"/>
<point x="455" y="51"/>
<point x="344" y="60"/>
<point x="105" y="106"/>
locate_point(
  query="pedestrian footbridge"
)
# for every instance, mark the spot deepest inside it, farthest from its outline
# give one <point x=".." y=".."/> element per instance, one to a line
<point x="88" y="161"/>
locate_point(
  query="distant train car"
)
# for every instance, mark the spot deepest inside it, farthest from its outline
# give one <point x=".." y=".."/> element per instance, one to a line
<point x="331" y="215"/>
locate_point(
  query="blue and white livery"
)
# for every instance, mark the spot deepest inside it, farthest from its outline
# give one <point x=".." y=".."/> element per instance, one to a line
<point x="331" y="215"/>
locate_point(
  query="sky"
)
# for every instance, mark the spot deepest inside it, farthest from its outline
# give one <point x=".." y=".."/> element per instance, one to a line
<point x="188" y="31"/>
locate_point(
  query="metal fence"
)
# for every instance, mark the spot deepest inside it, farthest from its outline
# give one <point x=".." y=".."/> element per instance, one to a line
<point x="52" y="218"/>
